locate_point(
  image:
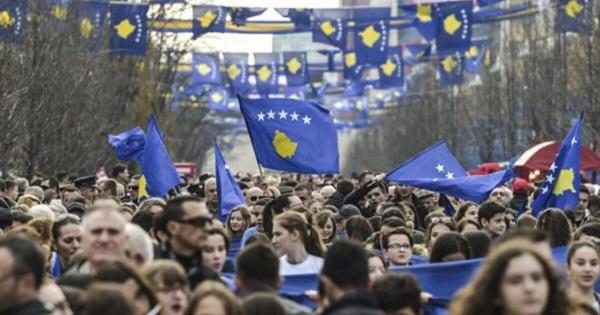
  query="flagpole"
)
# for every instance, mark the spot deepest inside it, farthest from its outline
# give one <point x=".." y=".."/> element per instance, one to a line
<point x="260" y="170"/>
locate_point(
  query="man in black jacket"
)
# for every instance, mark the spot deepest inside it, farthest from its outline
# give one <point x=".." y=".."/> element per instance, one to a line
<point x="344" y="279"/>
<point x="187" y="220"/>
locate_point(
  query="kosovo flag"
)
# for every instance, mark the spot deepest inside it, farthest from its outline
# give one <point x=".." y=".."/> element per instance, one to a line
<point x="128" y="29"/>
<point x="292" y="136"/>
<point x="454" y="25"/>
<point x="129" y="145"/>
<point x="13" y="20"/>
<point x="59" y="9"/>
<point x="208" y="18"/>
<point x="450" y="69"/>
<point x="474" y="56"/>
<point x="352" y="70"/>
<point x="266" y="73"/>
<point x="160" y="172"/>
<point x="371" y="35"/>
<point x="300" y="17"/>
<point x="391" y="73"/>
<point x="218" y="99"/>
<point x="237" y="71"/>
<point x="228" y="190"/>
<point x="206" y="69"/>
<point x="574" y="16"/>
<point x="561" y="187"/>
<point x="240" y="15"/>
<point x="424" y="19"/>
<point x="296" y="68"/>
<point x="90" y="16"/>
<point x="418" y="53"/>
<point x="329" y="27"/>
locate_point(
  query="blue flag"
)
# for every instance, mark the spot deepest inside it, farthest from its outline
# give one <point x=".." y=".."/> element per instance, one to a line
<point x="206" y="69"/>
<point x="128" y="29"/>
<point x="91" y="16"/>
<point x="291" y="135"/>
<point x="236" y="68"/>
<point x="424" y="19"/>
<point x="329" y="27"/>
<point x="218" y="99"/>
<point x="157" y="167"/>
<point x="129" y="145"/>
<point x="484" y="3"/>
<point x="13" y="20"/>
<point x="228" y="190"/>
<point x="455" y="26"/>
<point x="239" y="15"/>
<point x="266" y="73"/>
<point x="434" y="162"/>
<point x="371" y="35"/>
<point x="207" y="19"/>
<point x="300" y="17"/>
<point x="58" y="9"/>
<point x="575" y="16"/>
<point x="352" y="69"/>
<point x="391" y="73"/>
<point x="296" y="68"/>
<point x="474" y="56"/>
<point x="561" y="187"/>
<point x="450" y="68"/>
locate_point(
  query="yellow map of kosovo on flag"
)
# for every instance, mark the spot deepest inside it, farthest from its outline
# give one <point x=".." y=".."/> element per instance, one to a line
<point x="564" y="182"/>
<point x="284" y="146"/>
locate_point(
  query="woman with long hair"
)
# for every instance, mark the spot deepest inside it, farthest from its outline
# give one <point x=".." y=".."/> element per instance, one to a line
<point x="326" y="226"/>
<point x="555" y="223"/>
<point x="467" y="210"/>
<point x="583" y="265"/>
<point x="66" y="241"/>
<point x="238" y="221"/>
<point x="298" y="244"/>
<point x="515" y="279"/>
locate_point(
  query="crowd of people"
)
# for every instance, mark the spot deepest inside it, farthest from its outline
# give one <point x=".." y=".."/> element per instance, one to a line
<point x="96" y="246"/>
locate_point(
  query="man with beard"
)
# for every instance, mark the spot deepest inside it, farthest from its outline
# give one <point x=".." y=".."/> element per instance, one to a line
<point x="187" y="221"/>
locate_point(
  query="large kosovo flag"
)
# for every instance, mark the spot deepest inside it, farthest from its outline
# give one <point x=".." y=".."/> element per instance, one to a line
<point x="371" y="35"/>
<point x="574" y="16"/>
<point x="13" y="19"/>
<point x="90" y="16"/>
<point x="228" y="189"/>
<point x="291" y="135"/>
<point x="455" y="26"/>
<point x="561" y="187"/>
<point x="206" y="69"/>
<point x="128" y="29"/>
<point x="208" y="18"/>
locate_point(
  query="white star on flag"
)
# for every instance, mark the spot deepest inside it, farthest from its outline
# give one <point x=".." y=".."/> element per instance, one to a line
<point x="261" y="116"/>
<point x="544" y="189"/>
<point x="573" y="141"/>
<point x="271" y="114"/>
<point x="306" y="120"/>
<point x="553" y="167"/>
<point x="440" y="168"/>
<point x="294" y="116"/>
<point x="550" y="178"/>
<point x="283" y="114"/>
<point x="449" y="175"/>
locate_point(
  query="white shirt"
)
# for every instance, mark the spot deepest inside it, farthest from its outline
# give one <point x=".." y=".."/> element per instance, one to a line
<point x="311" y="265"/>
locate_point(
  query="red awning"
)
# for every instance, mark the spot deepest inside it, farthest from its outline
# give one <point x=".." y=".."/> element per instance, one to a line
<point x="541" y="156"/>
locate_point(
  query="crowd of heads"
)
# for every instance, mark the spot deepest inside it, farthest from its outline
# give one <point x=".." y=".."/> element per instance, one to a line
<point x="83" y="245"/>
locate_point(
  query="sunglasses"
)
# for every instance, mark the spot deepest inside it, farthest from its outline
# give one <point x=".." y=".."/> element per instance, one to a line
<point x="196" y="221"/>
<point x="254" y="198"/>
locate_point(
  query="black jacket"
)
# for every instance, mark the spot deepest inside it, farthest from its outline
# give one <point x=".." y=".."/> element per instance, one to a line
<point x="33" y="307"/>
<point x="196" y="272"/>
<point x="359" y="302"/>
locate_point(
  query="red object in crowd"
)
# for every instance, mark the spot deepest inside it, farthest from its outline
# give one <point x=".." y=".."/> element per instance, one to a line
<point x="541" y="156"/>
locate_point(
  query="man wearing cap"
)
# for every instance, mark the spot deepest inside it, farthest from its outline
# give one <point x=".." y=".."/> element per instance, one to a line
<point x="87" y="187"/>
<point x="342" y="217"/>
<point x="520" y="190"/>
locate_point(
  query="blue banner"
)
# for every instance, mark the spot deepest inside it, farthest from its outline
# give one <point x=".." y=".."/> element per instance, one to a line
<point x="238" y="73"/>
<point x="13" y="20"/>
<point x="352" y="69"/>
<point x="454" y="26"/>
<point x="266" y="73"/>
<point x="450" y="69"/>
<point x="91" y="16"/>
<point x="391" y="73"/>
<point x="330" y="27"/>
<point x="206" y="69"/>
<point x="371" y="35"/>
<point x="474" y="56"/>
<point x="575" y="16"/>
<point x="208" y="19"/>
<point x="296" y="68"/>
<point x="128" y="29"/>
<point x="424" y="19"/>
